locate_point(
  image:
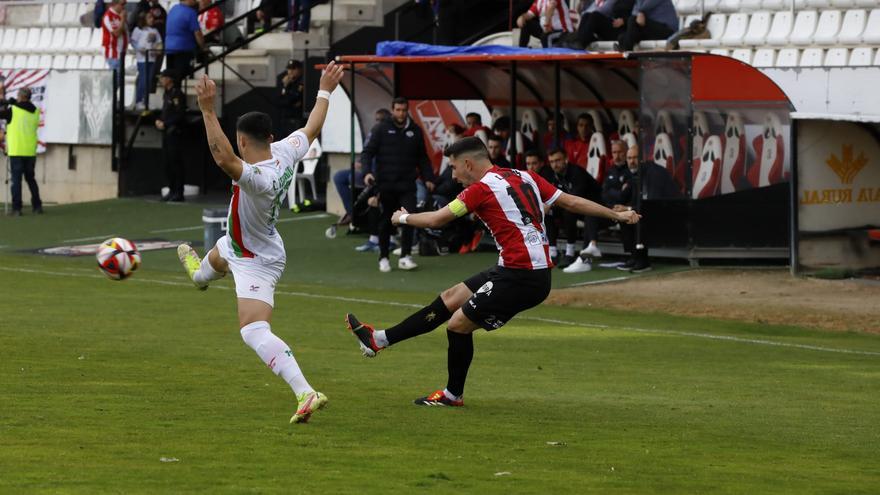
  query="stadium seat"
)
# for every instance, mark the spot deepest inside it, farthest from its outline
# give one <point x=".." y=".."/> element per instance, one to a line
<point x="630" y="139"/>
<point x="57" y="16"/>
<point x="733" y="164"/>
<point x="827" y="28"/>
<point x="861" y="57"/>
<point x="70" y="39"/>
<point x="811" y="57"/>
<point x="664" y="153"/>
<point x="626" y="122"/>
<point x="95" y="43"/>
<point x="737" y="25"/>
<point x="787" y="57"/>
<point x="59" y="61"/>
<point x="775" y="4"/>
<point x="724" y="52"/>
<point x="81" y="10"/>
<point x="45" y="62"/>
<point x="764" y="57"/>
<point x="7" y="61"/>
<point x="707" y="169"/>
<point x="836" y="57"/>
<point x="759" y="26"/>
<point x="72" y="62"/>
<point x="70" y="18"/>
<point x="83" y="38"/>
<point x="686" y="7"/>
<point x="529" y="124"/>
<point x="598" y="121"/>
<point x="743" y="55"/>
<point x="43" y="16"/>
<point x="85" y="62"/>
<point x="804" y="27"/>
<point x="98" y="62"/>
<point x="871" y="35"/>
<point x="20" y="62"/>
<point x="33" y="62"/>
<point x="296" y="192"/>
<point x="7" y="39"/>
<point x="597" y="156"/>
<point x="57" y="44"/>
<point x="701" y="132"/>
<point x="877" y="58"/>
<point x="44" y="41"/>
<point x="780" y="29"/>
<point x="663" y="123"/>
<point x="21" y="40"/>
<point x="852" y="27"/>
<point x="715" y="25"/>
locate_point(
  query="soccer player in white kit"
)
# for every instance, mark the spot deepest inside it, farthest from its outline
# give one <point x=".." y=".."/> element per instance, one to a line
<point x="252" y="249"/>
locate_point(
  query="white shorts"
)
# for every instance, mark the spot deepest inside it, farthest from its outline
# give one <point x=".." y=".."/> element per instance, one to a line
<point x="253" y="279"/>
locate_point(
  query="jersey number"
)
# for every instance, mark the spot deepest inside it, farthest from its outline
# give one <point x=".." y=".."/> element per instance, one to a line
<point x="526" y="201"/>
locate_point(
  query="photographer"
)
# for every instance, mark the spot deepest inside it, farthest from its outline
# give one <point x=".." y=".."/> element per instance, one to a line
<point x="22" y="121"/>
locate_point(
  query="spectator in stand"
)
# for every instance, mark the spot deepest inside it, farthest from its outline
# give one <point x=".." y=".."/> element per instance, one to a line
<point x="267" y="10"/>
<point x="603" y="20"/>
<point x="536" y="165"/>
<point x="650" y="181"/>
<point x="210" y="20"/>
<point x="290" y="87"/>
<point x="578" y="147"/>
<point x="114" y="35"/>
<point x="549" y="139"/>
<point x="501" y="128"/>
<point x="182" y="37"/>
<point x="475" y="127"/>
<point x="342" y="178"/>
<point x="574" y="180"/>
<point x="300" y="15"/>
<point x="495" y="145"/>
<point x="22" y="121"/>
<point x="147" y="44"/>
<point x="651" y="20"/>
<point x="171" y="123"/>
<point x="543" y="19"/>
<point x="159" y="18"/>
<point x="398" y="147"/>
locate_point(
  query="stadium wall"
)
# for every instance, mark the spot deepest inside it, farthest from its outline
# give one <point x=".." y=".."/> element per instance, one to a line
<point x="73" y="174"/>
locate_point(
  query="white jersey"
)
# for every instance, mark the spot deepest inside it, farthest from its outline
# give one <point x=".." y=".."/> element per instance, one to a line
<point x="256" y="201"/>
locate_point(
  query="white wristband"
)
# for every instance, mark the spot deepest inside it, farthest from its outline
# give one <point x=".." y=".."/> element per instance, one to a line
<point x="324" y="94"/>
<point x="402" y="219"/>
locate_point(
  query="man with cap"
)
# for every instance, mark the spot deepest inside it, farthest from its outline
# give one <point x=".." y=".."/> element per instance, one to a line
<point x="290" y="85"/>
<point x="22" y="121"/>
<point x="171" y="123"/>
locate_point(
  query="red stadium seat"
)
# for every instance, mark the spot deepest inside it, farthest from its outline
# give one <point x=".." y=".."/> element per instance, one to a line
<point x="770" y="154"/>
<point x="707" y="169"/>
<point x="733" y="166"/>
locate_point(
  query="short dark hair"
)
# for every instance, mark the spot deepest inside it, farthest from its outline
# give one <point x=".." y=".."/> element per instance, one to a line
<point x="493" y="137"/>
<point x="502" y="124"/>
<point x="534" y="153"/>
<point x="587" y="117"/>
<point x="255" y="125"/>
<point x="554" y="151"/>
<point x="474" y="115"/>
<point x="399" y="101"/>
<point x="468" y="146"/>
<point x="384" y="112"/>
<point x="457" y="129"/>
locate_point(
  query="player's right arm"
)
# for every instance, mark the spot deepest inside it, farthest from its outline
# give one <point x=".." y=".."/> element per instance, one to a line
<point x="330" y="78"/>
<point x="221" y="148"/>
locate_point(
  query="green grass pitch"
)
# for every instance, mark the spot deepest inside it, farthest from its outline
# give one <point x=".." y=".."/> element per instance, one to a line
<point x="99" y="380"/>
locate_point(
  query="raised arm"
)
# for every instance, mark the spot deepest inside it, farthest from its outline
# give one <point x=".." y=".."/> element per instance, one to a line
<point x="583" y="206"/>
<point x="221" y="148"/>
<point x="425" y="220"/>
<point x="329" y="80"/>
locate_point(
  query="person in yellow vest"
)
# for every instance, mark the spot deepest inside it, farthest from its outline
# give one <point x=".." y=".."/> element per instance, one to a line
<point x="22" y="120"/>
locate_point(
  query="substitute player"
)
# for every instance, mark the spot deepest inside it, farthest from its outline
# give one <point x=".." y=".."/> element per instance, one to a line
<point x="252" y="249"/>
<point x="511" y="203"/>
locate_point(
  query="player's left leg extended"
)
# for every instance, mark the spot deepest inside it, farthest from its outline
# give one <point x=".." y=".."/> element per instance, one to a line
<point x="418" y="323"/>
<point x="202" y="271"/>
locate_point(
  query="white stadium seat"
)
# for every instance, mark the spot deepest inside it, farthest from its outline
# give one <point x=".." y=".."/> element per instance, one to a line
<point x="85" y="62"/>
<point x="70" y="40"/>
<point x="827" y="28"/>
<point x="861" y="57"/>
<point x="836" y="57"/>
<point x="877" y="58"/>
<point x="57" y="44"/>
<point x="81" y="10"/>
<point x="759" y="26"/>
<point x="20" y="42"/>
<point x="43" y="42"/>
<point x="72" y="62"/>
<point x="8" y="40"/>
<point x="729" y="6"/>
<point x="743" y="55"/>
<point x="871" y="36"/>
<point x="685" y="7"/>
<point x="737" y="24"/>
<point x="32" y="40"/>
<point x="804" y="27"/>
<point x="57" y="16"/>
<point x="7" y="61"/>
<point x="787" y="57"/>
<point x="780" y="29"/>
<point x="70" y="18"/>
<point x="764" y="57"/>
<point x="45" y="62"/>
<point x="775" y="4"/>
<point x="43" y="16"/>
<point x="58" y="61"/>
<point x="715" y="25"/>
<point x="20" y="62"/>
<point x="98" y="62"/>
<point x="811" y="57"/>
<point x="852" y="27"/>
<point x="83" y="38"/>
<point x="95" y="43"/>
<point x="724" y="52"/>
<point x="33" y="62"/>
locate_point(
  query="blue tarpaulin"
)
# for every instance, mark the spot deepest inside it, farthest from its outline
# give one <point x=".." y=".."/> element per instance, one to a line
<point x="405" y="48"/>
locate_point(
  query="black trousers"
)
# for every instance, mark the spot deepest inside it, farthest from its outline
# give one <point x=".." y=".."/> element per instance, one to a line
<point x="568" y="221"/>
<point x="391" y="201"/>
<point x="532" y="28"/>
<point x="180" y="62"/>
<point x="652" y="30"/>
<point x="173" y="146"/>
<point x="632" y="237"/>
<point x="24" y="166"/>
<point x="597" y="27"/>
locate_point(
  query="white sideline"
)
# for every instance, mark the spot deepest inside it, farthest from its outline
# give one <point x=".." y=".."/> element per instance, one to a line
<point x="729" y="338"/>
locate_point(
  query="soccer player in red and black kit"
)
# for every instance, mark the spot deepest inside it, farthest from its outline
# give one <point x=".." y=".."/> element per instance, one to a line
<point x="511" y="203"/>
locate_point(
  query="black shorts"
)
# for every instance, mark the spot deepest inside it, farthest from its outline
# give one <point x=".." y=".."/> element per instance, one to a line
<point x="500" y="293"/>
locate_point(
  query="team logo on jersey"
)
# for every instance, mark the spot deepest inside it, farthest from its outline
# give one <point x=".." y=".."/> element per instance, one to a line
<point x="494" y="322"/>
<point x="297" y="141"/>
<point x="255" y="288"/>
<point x="533" y="238"/>
<point x="486" y="289"/>
<point x="410" y="134"/>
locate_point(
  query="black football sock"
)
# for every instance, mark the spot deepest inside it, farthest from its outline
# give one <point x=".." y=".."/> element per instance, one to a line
<point x="422" y="321"/>
<point x="458" y="358"/>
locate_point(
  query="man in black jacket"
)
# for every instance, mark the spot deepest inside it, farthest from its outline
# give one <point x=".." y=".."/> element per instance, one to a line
<point x="576" y="181"/>
<point x="398" y="147"/>
<point x="172" y="123"/>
